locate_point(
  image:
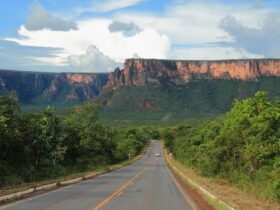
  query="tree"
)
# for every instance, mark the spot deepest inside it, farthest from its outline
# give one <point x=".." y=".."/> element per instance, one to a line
<point x="9" y="115"/>
<point x="94" y="139"/>
<point x="48" y="145"/>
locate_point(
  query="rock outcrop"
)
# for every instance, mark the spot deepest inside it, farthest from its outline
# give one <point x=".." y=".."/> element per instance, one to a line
<point x="139" y="72"/>
<point x="115" y="79"/>
<point x="51" y="87"/>
<point x="82" y="87"/>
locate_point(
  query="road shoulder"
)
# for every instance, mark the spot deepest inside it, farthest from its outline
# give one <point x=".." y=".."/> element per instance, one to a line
<point x="219" y="193"/>
<point x="16" y="193"/>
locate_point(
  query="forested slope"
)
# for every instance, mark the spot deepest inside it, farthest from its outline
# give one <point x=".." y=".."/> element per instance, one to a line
<point x="168" y="103"/>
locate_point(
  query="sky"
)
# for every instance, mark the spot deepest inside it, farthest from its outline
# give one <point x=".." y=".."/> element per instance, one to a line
<point x="98" y="35"/>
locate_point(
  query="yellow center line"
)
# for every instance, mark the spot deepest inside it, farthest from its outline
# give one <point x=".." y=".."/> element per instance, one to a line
<point x="131" y="183"/>
<point x="118" y="195"/>
<point x="122" y="188"/>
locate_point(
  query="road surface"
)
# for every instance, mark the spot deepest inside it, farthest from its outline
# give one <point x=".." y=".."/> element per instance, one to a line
<point x="144" y="185"/>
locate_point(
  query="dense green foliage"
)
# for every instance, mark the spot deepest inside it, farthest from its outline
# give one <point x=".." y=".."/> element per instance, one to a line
<point x="36" y="146"/>
<point x="243" y="147"/>
<point x="167" y="104"/>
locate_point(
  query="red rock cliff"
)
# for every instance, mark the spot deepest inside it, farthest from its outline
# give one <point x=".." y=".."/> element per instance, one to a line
<point x="115" y="78"/>
<point x="81" y="85"/>
<point x="52" y="87"/>
<point x="138" y="72"/>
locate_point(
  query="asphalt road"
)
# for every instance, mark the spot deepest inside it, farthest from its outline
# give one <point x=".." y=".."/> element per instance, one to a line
<point x="144" y="185"/>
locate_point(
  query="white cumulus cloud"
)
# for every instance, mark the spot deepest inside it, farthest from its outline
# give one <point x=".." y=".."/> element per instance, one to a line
<point x="93" y="61"/>
<point x="148" y="43"/>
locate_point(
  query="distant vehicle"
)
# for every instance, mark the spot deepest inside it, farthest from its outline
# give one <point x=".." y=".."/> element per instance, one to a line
<point x="157" y="155"/>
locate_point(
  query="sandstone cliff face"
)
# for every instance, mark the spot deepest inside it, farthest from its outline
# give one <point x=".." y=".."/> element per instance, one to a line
<point x="51" y="87"/>
<point x="80" y="86"/>
<point x="27" y="85"/>
<point x="115" y="78"/>
<point x="139" y="72"/>
<point x="80" y="78"/>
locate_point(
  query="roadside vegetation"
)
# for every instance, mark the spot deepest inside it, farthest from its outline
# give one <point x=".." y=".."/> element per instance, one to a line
<point x="242" y="147"/>
<point x="45" y="145"/>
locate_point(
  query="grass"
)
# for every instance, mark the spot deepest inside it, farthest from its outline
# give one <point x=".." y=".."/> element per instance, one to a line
<point x="223" y="190"/>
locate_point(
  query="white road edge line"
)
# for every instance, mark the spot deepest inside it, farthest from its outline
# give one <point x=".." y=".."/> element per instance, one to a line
<point x="204" y="191"/>
<point x="22" y="200"/>
<point x="185" y="194"/>
<point x="35" y="196"/>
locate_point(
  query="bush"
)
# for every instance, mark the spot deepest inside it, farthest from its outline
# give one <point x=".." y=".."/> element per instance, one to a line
<point x="243" y="145"/>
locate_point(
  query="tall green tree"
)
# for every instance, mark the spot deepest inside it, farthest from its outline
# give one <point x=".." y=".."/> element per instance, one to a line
<point x="9" y="116"/>
<point x="48" y="147"/>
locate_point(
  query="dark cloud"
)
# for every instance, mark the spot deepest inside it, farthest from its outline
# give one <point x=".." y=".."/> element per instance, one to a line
<point x="263" y="40"/>
<point x="128" y="29"/>
<point x="257" y="4"/>
<point x="41" y="19"/>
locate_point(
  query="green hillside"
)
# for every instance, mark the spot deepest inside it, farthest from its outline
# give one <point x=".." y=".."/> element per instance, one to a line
<point x="193" y="102"/>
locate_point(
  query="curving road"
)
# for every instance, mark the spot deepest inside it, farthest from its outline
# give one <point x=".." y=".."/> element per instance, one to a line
<point x="144" y="185"/>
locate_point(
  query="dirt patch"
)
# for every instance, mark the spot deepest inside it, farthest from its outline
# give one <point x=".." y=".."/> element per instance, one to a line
<point x="149" y="105"/>
<point x="109" y="104"/>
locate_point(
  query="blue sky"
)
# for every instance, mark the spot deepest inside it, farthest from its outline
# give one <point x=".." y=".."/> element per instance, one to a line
<point x="98" y="35"/>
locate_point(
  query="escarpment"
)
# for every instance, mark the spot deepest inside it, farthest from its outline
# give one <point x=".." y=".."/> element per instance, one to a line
<point x="52" y="87"/>
<point x="78" y="87"/>
<point x="139" y="72"/>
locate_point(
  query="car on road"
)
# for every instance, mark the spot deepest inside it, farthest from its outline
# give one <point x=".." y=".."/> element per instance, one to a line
<point x="157" y="155"/>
